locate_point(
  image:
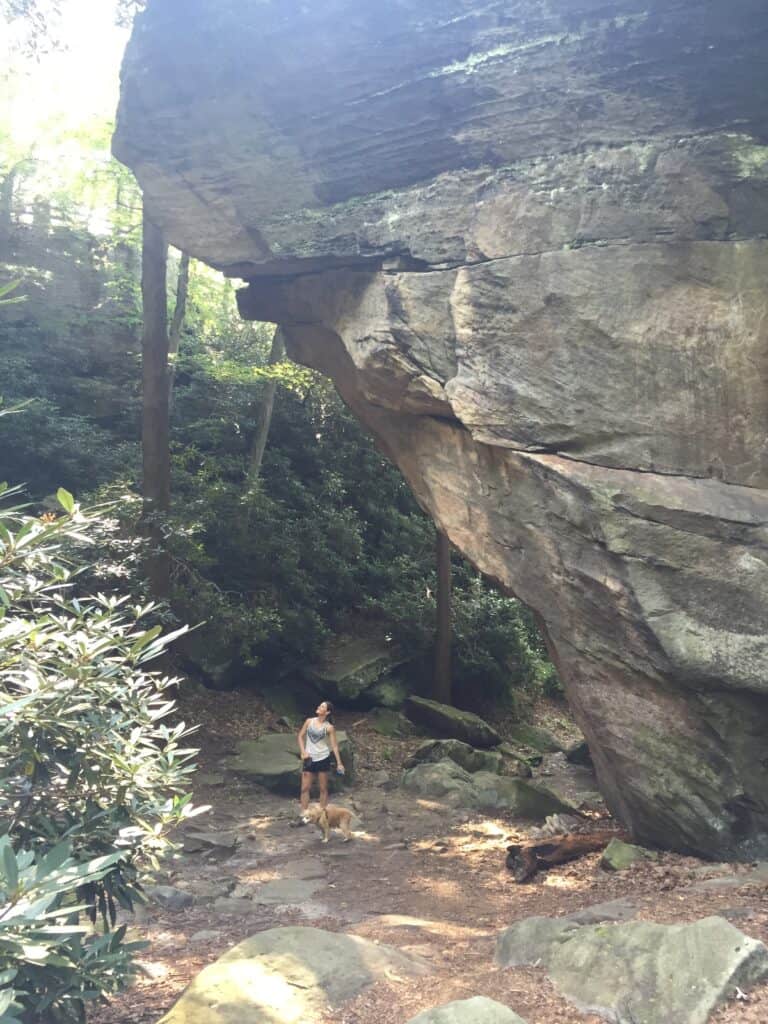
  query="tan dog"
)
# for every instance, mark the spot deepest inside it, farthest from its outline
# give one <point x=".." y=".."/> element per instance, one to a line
<point x="328" y="818"/>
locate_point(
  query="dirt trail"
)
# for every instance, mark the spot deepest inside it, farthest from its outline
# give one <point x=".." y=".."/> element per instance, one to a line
<point x="419" y="876"/>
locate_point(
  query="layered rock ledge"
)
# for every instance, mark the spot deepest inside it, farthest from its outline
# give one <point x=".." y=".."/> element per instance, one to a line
<point x="528" y="241"/>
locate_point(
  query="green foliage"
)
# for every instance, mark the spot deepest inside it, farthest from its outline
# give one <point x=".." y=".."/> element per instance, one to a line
<point x="50" y="967"/>
<point x="6" y="293"/>
<point x="92" y="768"/>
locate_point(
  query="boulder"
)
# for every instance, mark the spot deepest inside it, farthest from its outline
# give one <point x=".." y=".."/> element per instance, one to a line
<point x="618" y="855"/>
<point x="463" y="754"/>
<point x="389" y="692"/>
<point x="638" y="972"/>
<point x="451" y="723"/>
<point x="285" y="703"/>
<point x="444" y="780"/>
<point x="357" y="670"/>
<point x="447" y="781"/>
<point x="533" y="738"/>
<point x="532" y="940"/>
<point x="388" y="722"/>
<point x="289" y="975"/>
<point x="523" y="799"/>
<point x="273" y="762"/>
<point x="478" y="1010"/>
<point x="531" y="252"/>
<point x="522" y="761"/>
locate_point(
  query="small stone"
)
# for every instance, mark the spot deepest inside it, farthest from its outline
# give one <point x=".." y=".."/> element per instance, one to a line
<point x="170" y="898"/>
<point x="287" y="890"/>
<point x="197" y="842"/>
<point x="619" y="856"/>
<point x="209" y="935"/>
<point x="613" y="910"/>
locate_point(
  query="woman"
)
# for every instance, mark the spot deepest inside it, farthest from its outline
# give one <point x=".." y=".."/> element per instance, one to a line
<point x="317" y="738"/>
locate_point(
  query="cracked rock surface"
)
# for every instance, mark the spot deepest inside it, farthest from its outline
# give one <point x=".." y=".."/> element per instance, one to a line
<point x="529" y="244"/>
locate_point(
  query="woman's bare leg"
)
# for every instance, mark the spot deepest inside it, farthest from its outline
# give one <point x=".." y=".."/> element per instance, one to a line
<point x="322" y="778"/>
<point x="306" y="785"/>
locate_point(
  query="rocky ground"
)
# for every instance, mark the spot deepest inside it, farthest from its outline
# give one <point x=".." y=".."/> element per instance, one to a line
<point x="418" y="876"/>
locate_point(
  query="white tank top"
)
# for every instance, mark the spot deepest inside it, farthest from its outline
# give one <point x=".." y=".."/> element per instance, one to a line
<point x="316" y="742"/>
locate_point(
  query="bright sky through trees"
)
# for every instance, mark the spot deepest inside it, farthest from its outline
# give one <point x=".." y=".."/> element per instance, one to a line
<point x="52" y="103"/>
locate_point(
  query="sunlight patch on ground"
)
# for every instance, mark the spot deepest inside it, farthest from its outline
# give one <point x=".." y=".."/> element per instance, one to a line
<point x="153" y="969"/>
<point x="431" y="805"/>
<point x="492" y="828"/>
<point x="442" y="888"/>
<point x="571" y="882"/>
<point x="167" y="938"/>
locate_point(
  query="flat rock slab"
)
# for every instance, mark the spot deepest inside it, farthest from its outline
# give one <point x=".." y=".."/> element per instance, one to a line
<point x="287" y="890"/>
<point x="273" y="762"/>
<point x="613" y="910"/>
<point x="735" y="880"/>
<point x="287" y="975"/>
<point x="196" y="842"/>
<point x="451" y="723"/>
<point x="477" y="1010"/>
<point x="638" y="972"/>
<point x="304" y="867"/>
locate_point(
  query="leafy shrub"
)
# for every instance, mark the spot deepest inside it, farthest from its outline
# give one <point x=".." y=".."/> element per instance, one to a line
<point x="92" y="771"/>
<point x="49" y="965"/>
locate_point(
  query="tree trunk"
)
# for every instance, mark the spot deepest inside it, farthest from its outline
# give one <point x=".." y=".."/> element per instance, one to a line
<point x="154" y="430"/>
<point x="264" y="416"/>
<point x="7" y="187"/>
<point x="179" y="312"/>
<point x="441" y="683"/>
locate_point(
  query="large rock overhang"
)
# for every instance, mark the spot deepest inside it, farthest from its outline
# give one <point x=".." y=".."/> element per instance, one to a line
<point x="528" y="241"/>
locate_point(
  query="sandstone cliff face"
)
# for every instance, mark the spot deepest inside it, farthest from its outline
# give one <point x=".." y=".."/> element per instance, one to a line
<point x="528" y="240"/>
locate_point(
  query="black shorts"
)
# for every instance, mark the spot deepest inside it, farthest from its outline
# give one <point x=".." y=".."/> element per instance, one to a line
<point x="317" y="766"/>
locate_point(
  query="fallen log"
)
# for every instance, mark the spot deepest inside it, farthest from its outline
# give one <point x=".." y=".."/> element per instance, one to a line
<point x="526" y="859"/>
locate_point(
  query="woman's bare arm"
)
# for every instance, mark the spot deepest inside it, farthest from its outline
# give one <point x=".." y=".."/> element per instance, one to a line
<point x="300" y="738"/>
<point x="335" y="746"/>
